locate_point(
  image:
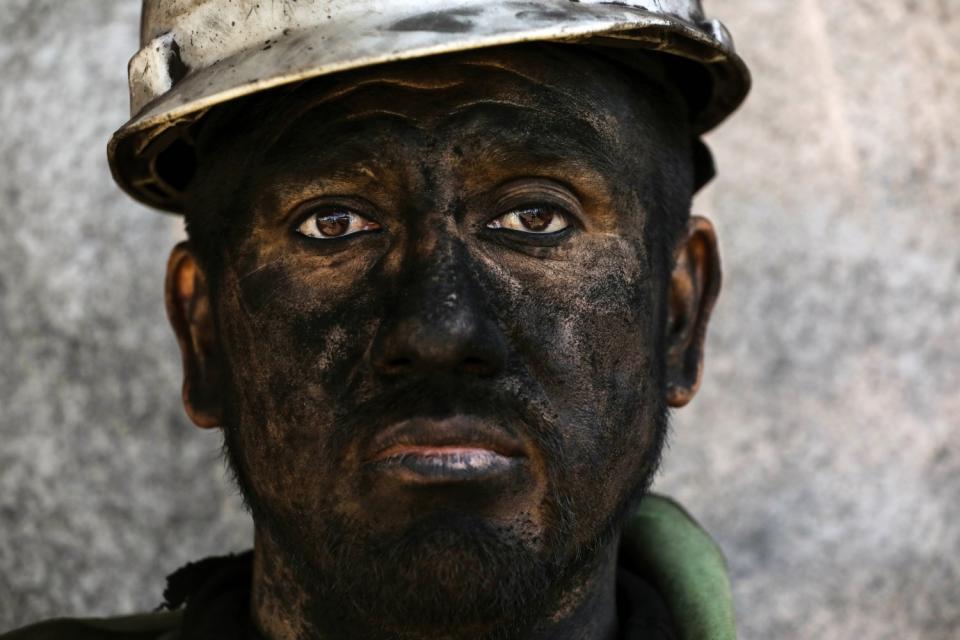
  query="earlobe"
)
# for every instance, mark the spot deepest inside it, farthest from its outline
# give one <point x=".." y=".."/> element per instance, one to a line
<point x="694" y="286"/>
<point x="189" y="310"/>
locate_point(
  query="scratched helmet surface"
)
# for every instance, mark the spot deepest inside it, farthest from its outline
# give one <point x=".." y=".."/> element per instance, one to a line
<point x="196" y="54"/>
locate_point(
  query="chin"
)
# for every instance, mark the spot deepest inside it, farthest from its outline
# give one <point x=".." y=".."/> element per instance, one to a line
<point x="437" y="576"/>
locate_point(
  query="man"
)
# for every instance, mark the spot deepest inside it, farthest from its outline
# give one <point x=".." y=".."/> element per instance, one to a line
<point x="439" y="306"/>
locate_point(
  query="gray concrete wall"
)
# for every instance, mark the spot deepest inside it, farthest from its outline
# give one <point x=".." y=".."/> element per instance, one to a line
<point x="822" y="452"/>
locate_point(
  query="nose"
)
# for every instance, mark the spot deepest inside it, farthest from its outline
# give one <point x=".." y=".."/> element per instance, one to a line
<point x="439" y="323"/>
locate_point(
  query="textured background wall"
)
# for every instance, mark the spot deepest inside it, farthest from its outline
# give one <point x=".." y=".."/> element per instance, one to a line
<point x="822" y="452"/>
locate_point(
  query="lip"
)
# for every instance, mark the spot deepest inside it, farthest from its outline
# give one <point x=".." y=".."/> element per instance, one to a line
<point x="456" y="449"/>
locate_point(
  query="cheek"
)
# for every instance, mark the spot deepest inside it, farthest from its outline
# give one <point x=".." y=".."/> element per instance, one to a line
<point x="584" y="325"/>
<point x="295" y="336"/>
<point x="583" y="331"/>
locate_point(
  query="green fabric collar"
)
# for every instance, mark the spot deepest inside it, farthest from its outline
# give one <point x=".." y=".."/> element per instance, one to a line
<point x="666" y="546"/>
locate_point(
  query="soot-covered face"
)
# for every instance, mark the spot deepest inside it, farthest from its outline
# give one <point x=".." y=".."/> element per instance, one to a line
<point x="440" y="336"/>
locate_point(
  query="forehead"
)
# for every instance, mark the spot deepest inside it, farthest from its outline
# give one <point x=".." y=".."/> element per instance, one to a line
<point x="467" y="122"/>
<point x="548" y="101"/>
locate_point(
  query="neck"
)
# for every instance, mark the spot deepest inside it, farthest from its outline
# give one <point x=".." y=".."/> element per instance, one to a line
<point x="281" y="611"/>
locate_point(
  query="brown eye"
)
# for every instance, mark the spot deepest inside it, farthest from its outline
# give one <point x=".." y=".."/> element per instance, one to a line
<point x="539" y="220"/>
<point x="335" y="224"/>
<point x="536" y="219"/>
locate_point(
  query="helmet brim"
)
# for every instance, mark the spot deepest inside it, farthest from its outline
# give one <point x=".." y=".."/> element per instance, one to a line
<point x="297" y="55"/>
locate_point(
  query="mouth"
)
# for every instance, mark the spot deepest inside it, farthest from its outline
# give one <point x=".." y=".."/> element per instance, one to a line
<point x="444" y="451"/>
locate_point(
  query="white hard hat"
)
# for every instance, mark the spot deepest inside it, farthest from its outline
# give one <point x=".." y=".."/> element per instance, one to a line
<point x="199" y="53"/>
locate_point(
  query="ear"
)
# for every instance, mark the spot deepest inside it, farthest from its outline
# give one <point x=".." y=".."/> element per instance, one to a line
<point x="189" y="311"/>
<point x="694" y="286"/>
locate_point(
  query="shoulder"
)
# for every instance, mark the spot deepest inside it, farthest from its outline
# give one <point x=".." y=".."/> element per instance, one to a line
<point x="148" y="626"/>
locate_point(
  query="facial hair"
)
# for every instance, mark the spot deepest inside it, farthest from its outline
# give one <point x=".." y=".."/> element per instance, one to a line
<point x="451" y="574"/>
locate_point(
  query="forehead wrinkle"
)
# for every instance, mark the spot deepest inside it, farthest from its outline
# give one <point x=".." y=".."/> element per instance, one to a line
<point x="340" y="173"/>
<point x="373" y="114"/>
<point x="348" y="88"/>
<point x="290" y="177"/>
<point x="578" y="99"/>
<point x="297" y="107"/>
<point x="465" y="107"/>
<point x="394" y="79"/>
<point x="504" y="141"/>
<point x="539" y="114"/>
<point x="502" y="66"/>
<point x="329" y="134"/>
